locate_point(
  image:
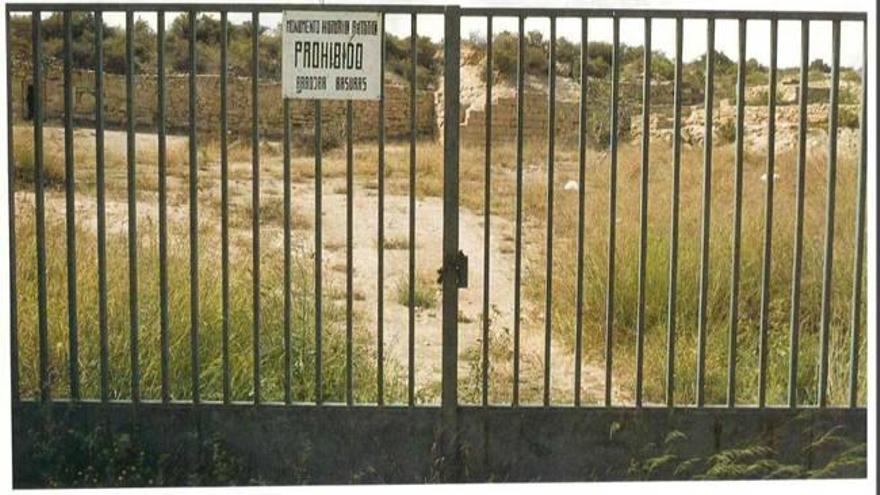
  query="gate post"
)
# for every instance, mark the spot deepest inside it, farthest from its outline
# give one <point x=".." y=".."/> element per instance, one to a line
<point x="449" y="394"/>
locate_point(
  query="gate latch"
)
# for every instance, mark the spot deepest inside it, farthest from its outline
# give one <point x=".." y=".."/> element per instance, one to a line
<point x="459" y="267"/>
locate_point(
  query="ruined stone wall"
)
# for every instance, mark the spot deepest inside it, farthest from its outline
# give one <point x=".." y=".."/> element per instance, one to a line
<point x="535" y="123"/>
<point x="535" y="112"/>
<point x="365" y="114"/>
<point x="755" y="125"/>
<point x="429" y="109"/>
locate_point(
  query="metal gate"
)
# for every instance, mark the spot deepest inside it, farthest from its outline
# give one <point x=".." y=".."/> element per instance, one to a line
<point x="501" y="433"/>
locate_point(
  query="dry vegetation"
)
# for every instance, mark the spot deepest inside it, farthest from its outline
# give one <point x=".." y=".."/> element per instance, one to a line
<point x="429" y="183"/>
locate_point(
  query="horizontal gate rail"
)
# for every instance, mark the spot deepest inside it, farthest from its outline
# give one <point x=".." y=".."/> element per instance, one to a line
<point x="451" y="204"/>
<point x="439" y="9"/>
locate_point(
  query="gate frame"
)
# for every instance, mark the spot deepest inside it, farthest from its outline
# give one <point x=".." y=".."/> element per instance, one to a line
<point x="451" y="146"/>
<point x="451" y="419"/>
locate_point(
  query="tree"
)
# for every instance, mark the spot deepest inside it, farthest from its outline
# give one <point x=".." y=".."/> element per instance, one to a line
<point x="504" y="54"/>
<point x="537" y="52"/>
<point x="568" y="58"/>
<point x="398" y="59"/>
<point x="662" y="68"/>
<point x="819" y="65"/>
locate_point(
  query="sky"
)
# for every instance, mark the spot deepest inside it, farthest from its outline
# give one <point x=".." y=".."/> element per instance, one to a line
<point x="632" y="30"/>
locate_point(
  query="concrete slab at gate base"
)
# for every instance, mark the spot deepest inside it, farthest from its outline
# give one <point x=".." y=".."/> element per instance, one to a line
<point x="334" y="444"/>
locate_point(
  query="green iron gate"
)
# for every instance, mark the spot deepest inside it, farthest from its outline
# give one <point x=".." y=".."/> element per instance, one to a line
<point x="471" y="442"/>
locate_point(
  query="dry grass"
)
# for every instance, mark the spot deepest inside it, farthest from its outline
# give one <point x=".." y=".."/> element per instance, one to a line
<point x="429" y="182"/>
<point x="424" y="295"/>
<point x="595" y="261"/>
<point x="241" y="317"/>
<point x="396" y="243"/>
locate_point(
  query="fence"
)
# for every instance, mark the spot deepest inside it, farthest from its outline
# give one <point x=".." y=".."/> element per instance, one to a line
<point x="473" y="422"/>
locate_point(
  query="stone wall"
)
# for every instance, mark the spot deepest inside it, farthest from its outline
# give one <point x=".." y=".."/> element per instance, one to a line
<point x="429" y="109"/>
<point x="754" y="124"/>
<point x="365" y="114"/>
<point x="535" y="123"/>
<point x="473" y="118"/>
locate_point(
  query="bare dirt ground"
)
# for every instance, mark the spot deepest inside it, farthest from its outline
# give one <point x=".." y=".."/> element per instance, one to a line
<point x="428" y="247"/>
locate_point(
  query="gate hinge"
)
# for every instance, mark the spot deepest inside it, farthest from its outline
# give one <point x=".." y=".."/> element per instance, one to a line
<point x="459" y="267"/>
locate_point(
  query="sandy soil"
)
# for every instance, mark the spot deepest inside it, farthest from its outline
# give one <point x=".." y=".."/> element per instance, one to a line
<point x="429" y="219"/>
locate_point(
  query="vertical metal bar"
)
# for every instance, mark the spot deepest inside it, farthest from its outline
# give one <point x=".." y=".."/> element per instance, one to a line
<point x="859" y="257"/>
<point x="803" y="88"/>
<point x="673" y="229"/>
<point x="643" y="211"/>
<point x="737" y="216"/>
<point x="255" y="194"/>
<point x="551" y="158"/>
<point x="703" y="305"/>
<point x="132" y="207"/>
<point x="101" y="200"/>
<point x="163" y="209"/>
<point x="451" y="107"/>
<point x="319" y="310"/>
<point x="13" y="263"/>
<point x="411" y="341"/>
<point x="349" y="260"/>
<point x="193" y="213"/>
<point x="70" y="188"/>
<point x="612" y="212"/>
<point x="487" y="210"/>
<point x="39" y="181"/>
<point x="768" y="218"/>
<point x="380" y="235"/>
<point x="828" y="266"/>
<point x="582" y="176"/>
<point x="288" y="297"/>
<point x="224" y="201"/>
<point x="517" y="276"/>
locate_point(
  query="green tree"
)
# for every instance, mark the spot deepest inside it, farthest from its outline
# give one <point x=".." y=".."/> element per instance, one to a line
<point x="819" y="65"/>
<point x="568" y="58"/>
<point x="662" y="68"/>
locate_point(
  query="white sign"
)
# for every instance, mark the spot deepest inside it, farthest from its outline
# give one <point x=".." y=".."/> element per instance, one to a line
<point x="332" y="55"/>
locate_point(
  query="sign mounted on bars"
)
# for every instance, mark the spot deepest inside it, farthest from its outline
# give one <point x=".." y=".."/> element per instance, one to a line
<point x="332" y="55"/>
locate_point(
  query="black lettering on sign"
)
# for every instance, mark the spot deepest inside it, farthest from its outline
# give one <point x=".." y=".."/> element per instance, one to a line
<point x="365" y="28"/>
<point x="295" y="26"/>
<point x="328" y="55"/>
<point x="335" y="27"/>
<point x="310" y="83"/>
<point x="351" y="83"/>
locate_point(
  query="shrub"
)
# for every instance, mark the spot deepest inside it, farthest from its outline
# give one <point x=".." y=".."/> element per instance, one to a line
<point x="819" y="65"/>
<point x="505" y="52"/>
<point x="726" y="132"/>
<point x="68" y="457"/>
<point x="425" y="294"/>
<point x="398" y="59"/>
<point x="53" y="162"/>
<point x="850" y="75"/>
<point x="758" y="98"/>
<point x="848" y="96"/>
<point x="848" y="118"/>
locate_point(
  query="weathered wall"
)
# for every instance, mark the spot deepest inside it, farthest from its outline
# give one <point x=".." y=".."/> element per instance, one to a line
<point x="755" y="126"/>
<point x="429" y="109"/>
<point x="535" y="122"/>
<point x="238" y="104"/>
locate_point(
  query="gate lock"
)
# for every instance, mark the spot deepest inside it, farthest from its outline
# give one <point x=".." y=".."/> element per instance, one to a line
<point x="460" y="267"/>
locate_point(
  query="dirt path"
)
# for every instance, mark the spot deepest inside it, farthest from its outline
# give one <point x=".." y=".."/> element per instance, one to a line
<point x="429" y="220"/>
